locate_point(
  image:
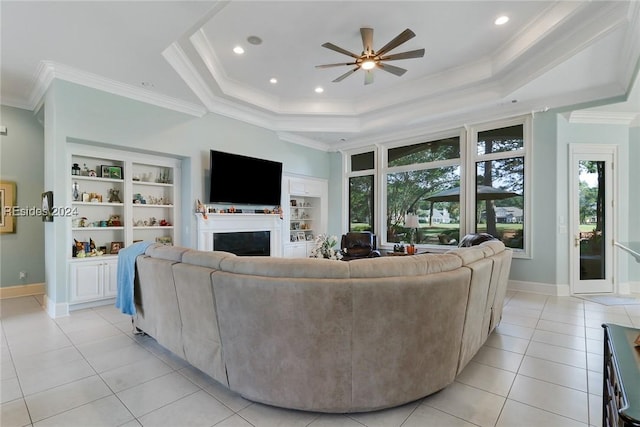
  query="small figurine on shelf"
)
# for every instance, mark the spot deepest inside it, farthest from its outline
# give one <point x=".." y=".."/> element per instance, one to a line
<point x="114" y="221"/>
<point x="114" y="196"/>
<point x="201" y="209"/>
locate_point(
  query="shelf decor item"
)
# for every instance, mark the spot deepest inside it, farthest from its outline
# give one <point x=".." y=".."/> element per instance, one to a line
<point x="115" y="247"/>
<point x="324" y="247"/>
<point x="104" y="171"/>
<point x="115" y="172"/>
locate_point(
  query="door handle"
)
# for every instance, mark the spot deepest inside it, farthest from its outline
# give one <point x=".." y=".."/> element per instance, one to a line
<point x="576" y="241"/>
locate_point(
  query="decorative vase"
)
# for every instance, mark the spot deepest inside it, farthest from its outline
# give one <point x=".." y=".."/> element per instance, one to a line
<point x="76" y="191"/>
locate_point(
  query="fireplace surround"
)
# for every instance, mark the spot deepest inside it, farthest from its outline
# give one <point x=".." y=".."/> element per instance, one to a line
<point x="238" y="223"/>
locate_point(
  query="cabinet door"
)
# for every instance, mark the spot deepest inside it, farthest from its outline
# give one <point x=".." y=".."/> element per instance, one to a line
<point x="295" y="250"/>
<point x="110" y="276"/>
<point x="86" y="281"/>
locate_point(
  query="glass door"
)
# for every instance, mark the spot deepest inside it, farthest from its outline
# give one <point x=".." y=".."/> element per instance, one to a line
<point x="591" y="221"/>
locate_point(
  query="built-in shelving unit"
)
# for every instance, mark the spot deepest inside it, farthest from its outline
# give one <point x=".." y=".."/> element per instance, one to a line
<point x="117" y="198"/>
<point x="305" y="209"/>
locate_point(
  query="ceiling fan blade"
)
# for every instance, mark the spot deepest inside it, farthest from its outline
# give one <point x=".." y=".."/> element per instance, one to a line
<point x="367" y="40"/>
<point x="397" y="41"/>
<point x="368" y="77"/>
<point x="392" y="69"/>
<point x="339" y="49"/>
<point x="345" y="75"/>
<point x="419" y="53"/>
<point x="335" y="65"/>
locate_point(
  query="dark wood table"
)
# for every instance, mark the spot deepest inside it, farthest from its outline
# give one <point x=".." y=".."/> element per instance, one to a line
<point x="621" y="377"/>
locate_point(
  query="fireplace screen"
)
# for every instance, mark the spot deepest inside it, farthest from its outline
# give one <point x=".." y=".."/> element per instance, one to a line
<point x="248" y="243"/>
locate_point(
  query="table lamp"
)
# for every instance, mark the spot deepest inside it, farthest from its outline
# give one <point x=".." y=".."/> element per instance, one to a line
<point x="411" y="221"/>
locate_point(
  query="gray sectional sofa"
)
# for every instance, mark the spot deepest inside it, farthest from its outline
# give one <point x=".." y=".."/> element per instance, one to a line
<point x="323" y="335"/>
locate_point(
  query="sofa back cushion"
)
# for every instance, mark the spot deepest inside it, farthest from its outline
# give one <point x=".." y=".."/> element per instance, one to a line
<point x="286" y="267"/>
<point x="393" y="266"/>
<point x="169" y="253"/>
<point x="210" y="259"/>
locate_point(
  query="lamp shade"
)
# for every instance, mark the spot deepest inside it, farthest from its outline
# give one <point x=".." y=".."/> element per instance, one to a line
<point x="411" y="221"/>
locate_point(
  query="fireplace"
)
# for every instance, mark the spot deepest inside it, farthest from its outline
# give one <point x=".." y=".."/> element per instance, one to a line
<point x="247" y="243"/>
<point x="266" y="228"/>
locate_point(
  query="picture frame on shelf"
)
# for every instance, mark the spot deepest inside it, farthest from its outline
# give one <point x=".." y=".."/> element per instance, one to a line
<point x="310" y="236"/>
<point x="115" y="172"/>
<point x="301" y="236"/>
<point x="104" y="171"/>
<point x="165" y="240"/>
<point x="294" y="202"/>
<point x="7" y="201"/>
<point x="115" y="247"/>
<point x="293" y="238"/>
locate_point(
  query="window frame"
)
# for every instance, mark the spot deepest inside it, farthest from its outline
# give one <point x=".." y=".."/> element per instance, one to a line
<point x="469" y="156"/>
<point x="474" y="158"/>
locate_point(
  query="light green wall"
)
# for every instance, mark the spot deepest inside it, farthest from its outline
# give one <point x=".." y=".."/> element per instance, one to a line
<point x="22" y="161"/>
<point x="541" y="268"/>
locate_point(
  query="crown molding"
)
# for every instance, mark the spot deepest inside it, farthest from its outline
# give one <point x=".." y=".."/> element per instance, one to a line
<point x="48" y="71"/>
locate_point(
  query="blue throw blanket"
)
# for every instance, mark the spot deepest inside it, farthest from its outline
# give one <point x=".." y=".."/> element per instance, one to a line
<point x="126" y="273"/>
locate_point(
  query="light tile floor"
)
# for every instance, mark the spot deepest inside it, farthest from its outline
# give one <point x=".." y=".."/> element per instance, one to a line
<point x="541" y="367"/>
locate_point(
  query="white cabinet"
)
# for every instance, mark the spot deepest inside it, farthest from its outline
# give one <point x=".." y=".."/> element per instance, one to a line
<point x="298" y="250"/>
<point x="92" y="279"/>
<point x="116" y="198"/>
<point x="305" y="213"/>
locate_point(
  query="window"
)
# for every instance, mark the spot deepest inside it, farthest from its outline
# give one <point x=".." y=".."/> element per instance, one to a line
<point x="361" y="192"/>
<point x="422" y="180"/>
<point x="462" y="181"/>
<point x="500" y="184"/>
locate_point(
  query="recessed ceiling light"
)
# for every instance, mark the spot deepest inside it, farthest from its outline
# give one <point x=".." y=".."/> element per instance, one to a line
<point x="501" y="20"/>
<point x="254" y="40"/>
<point x="273" y="80"/>
<point x="147" y="85"/>
<point x="319" y="89"/>
<point x="239" y="50"/>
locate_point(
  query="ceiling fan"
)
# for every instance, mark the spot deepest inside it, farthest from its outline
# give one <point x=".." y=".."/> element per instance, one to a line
<point x="370" y="59"/>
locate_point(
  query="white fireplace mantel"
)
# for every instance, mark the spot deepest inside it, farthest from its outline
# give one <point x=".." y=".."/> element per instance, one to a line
<point x="237" y="222"/>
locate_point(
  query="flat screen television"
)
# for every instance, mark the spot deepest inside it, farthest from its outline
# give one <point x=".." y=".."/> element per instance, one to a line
<point x="244" y="180"/>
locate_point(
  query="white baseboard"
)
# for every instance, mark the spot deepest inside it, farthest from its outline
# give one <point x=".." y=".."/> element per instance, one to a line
<point x="22" y="290"/>
<point x="538" y="288"/>
<point x="55" y="310"/>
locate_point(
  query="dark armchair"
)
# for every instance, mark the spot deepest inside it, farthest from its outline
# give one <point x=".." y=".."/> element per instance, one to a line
<point x="355" y="245"/>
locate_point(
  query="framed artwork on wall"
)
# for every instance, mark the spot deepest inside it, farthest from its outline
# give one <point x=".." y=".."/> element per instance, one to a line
<point x="47" y="206"/>
<point x="7" y="202"/>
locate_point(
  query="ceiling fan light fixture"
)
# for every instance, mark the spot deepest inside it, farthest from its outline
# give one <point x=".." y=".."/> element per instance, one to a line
<point x="368" y="64"/>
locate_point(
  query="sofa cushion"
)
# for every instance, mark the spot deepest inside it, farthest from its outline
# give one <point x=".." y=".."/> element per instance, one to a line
<point x="416" y="265"/>
<point x="169" y="253"/>
<point x="495" y="246"/>
<point x="470" y="254"/>
<point x="206" y="259"/>
<point x="286" y="267"/>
